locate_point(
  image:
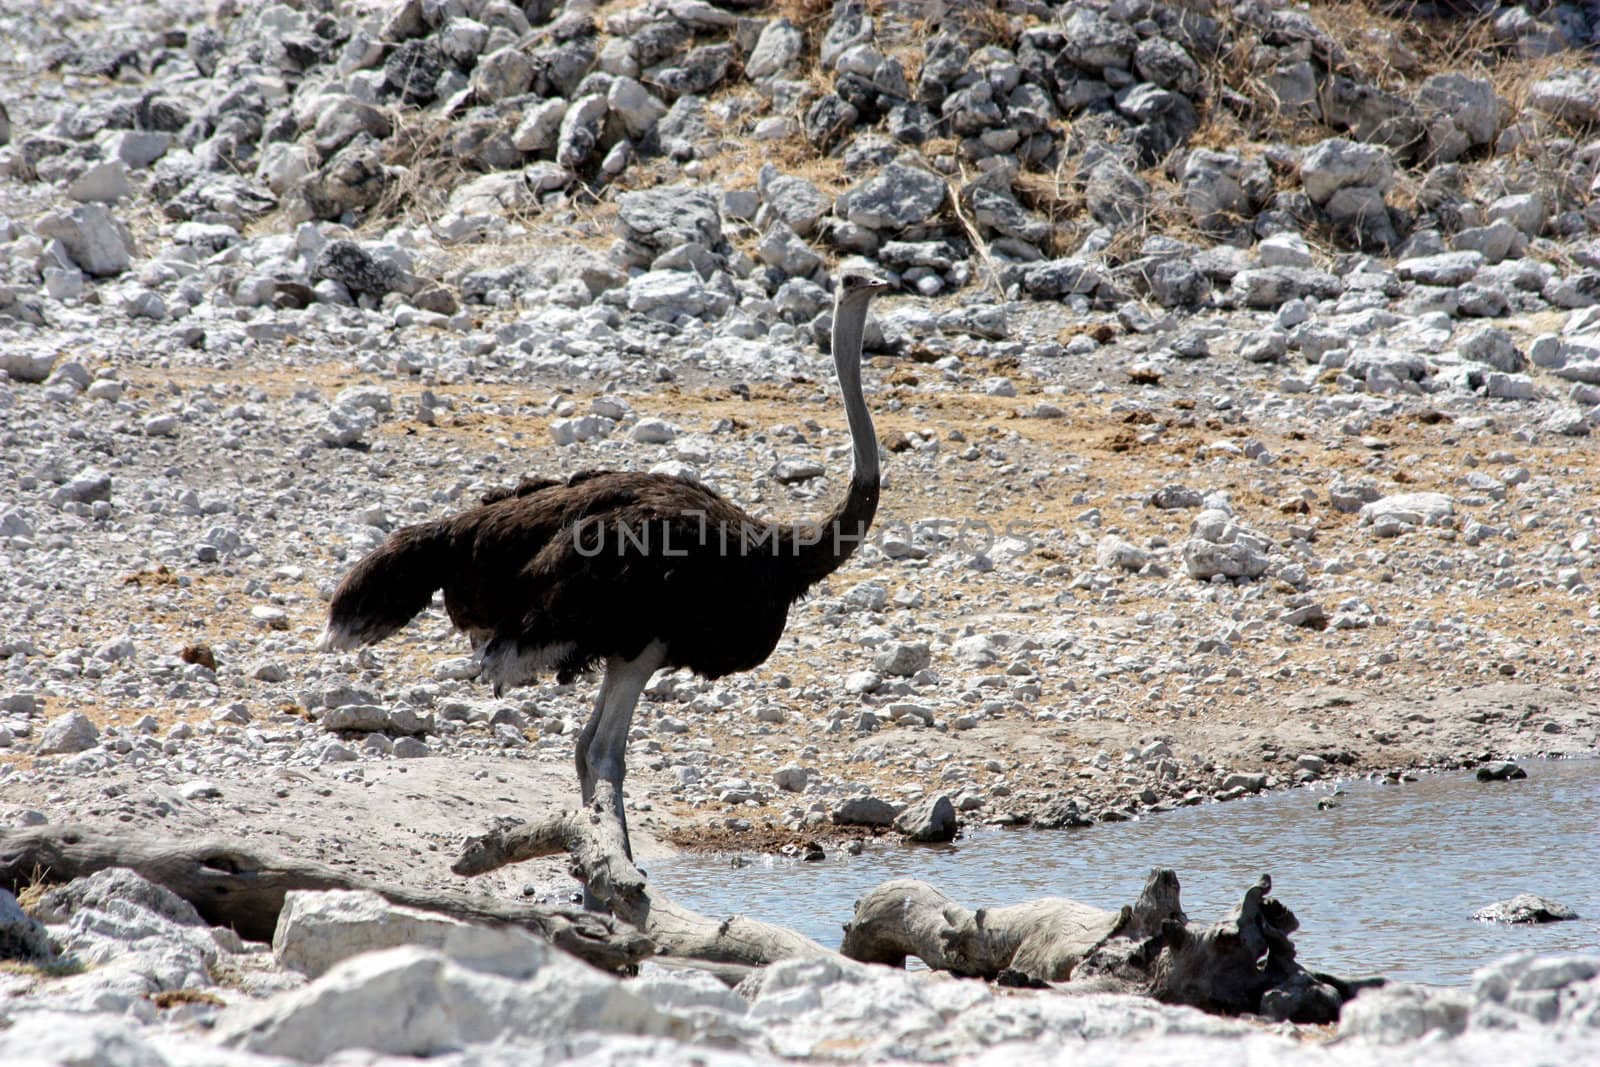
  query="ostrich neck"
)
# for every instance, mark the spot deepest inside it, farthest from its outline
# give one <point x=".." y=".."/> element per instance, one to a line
<point x="821" y="548"/>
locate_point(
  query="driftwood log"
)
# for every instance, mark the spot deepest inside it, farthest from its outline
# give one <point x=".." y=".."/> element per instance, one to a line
<point x="233" y="886"/>
<point x="1243" y="964"/>
<point x="1036" y="941"/>
<point x="598" y="861"/>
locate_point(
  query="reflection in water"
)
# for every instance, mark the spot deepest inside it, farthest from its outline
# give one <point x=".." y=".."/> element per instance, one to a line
<point x="1385" y="883"/>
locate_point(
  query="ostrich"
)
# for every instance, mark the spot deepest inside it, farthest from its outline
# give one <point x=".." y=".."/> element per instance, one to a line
<point x="633" y="572"/>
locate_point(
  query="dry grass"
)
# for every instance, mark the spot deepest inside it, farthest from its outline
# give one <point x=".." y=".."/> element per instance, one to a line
<point x="172" y="998"/>
<point x="38" y="885"/>
<point x="53" y="969"/>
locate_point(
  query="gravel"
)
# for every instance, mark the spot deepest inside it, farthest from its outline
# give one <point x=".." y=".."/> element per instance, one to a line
<point x="1297" y="489"/>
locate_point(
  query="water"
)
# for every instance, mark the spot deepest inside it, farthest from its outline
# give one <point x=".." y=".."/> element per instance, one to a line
<point x="1383" y="884"/>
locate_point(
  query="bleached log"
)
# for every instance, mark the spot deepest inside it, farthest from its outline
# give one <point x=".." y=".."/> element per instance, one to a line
<point x="613" y="880"/>
<point x="231" y="885"/>
<point x="1243" y="964"/>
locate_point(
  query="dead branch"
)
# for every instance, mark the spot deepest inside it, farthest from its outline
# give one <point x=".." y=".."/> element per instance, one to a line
<point x="1244" y="964"/>
<point x="233" y="886"/>
<point x="613" y="880"/>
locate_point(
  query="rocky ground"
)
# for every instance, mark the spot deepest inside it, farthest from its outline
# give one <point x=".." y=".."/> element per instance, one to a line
<point x="1236" y="398"/>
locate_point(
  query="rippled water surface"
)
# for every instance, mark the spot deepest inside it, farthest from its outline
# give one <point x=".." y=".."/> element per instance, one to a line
<point x="1383" y="884"/>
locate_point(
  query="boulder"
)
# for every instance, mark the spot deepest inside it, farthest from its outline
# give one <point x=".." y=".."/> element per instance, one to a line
<point x="662" y="218"/>
<point x="22" y="937"/>
<point x="1568" y="95"/>
<point x="1500" y="771"/>
<point x="1398" y="512"/>
<point x="319" y="929"/>
<point x="1338" y="163"/>
<point x="930" y="820"/>
<point x="779" y="47"/>
<point x="92" y="236"/>
<point x="902" y="658"/>
<point x="1205" y="559"/>
<point x="864" y="811"/>
<point x="1524" y="909"/>
<point x="420" y="1002"/>
<point x="68" y="733"/>
<point x="896" y="197"/>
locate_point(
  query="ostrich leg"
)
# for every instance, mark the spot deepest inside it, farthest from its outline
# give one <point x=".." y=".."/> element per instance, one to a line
<point x="603" y="746"/>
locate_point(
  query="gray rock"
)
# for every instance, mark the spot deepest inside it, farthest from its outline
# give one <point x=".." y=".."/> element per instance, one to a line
<point x="795" y="471"/>
<point x="579" y="430"/>
<point x="1165" y="63"/>
<point x="1173" y="497"/>
<point x="346" y="262"/>
<point x="413" y="70"/>
<point x="1165" y="120"/>
<point x="1494" y="242"/>
<point x="902" y="658"/>
<point x="929" y="820"/>
<point x="634" y="106"/>
<point x="1400" y="1012"/>
<point x="541" y="123"/>
<point x="1360" y="215"/>
<point x="86" y="487"/>
<point x="864" y="811"/>
<point x="1203" y="559"/>
<point x="1286" y="250"/>
<point x="114" y="891"/>
<point x="828" y="119"/>
<point x="507" y="72"/>
<point x="1446" y="268"/>
<point x="1117" y="552"/>
<point x="662" y="218"/>
<point x="27" y="365"/>
<point x="1062" y="813"/>
<point x="1500" y="771"/>
<point x="1526" y="211"/>
<point x="1398" y="512"/>
<point x="317" y="930"/>
<point x="850" y="25"/>
<point x="1221" y="190"/>
<point x="1115" y="196"/>
<point x="1271" y="287"/>
<point x="800" y="204"/>
<point x="22" y="937"/>
<point x="1462" y="113"/>
<point x="1056" y="278"/>
<point x="420" y="1002"/>
<point x="368" y="718"/>
<point x="67" y="733"/>
<point x="137" y="148"/>
<point x="342" y="118"/>
<point x="791" y="778"/>
<point x="1568" y="95"/>
<point x="1351" y="498"/>
<point x="780" y="46"/>
<point x="104" y="182"/>
<point x="697" y="72"/>
<point x="896" y="198"/>
<point x="1264" y="346"/>
<point x="780" y="247"/>
<point x="95" y="240"/>
<point x="1524" y="909"/>
<point x="1094" y="41"/>
<point x="1495" y="347"/>
<point x="1338" y="163"/>
<point x="666" y="294"/>
<point x="579" y="135"/>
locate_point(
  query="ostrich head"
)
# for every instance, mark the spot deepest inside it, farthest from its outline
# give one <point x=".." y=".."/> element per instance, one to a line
<point x="857" y="287"/>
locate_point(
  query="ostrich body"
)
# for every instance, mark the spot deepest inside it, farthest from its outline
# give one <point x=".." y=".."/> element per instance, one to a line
<point x="633" y="572"/>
